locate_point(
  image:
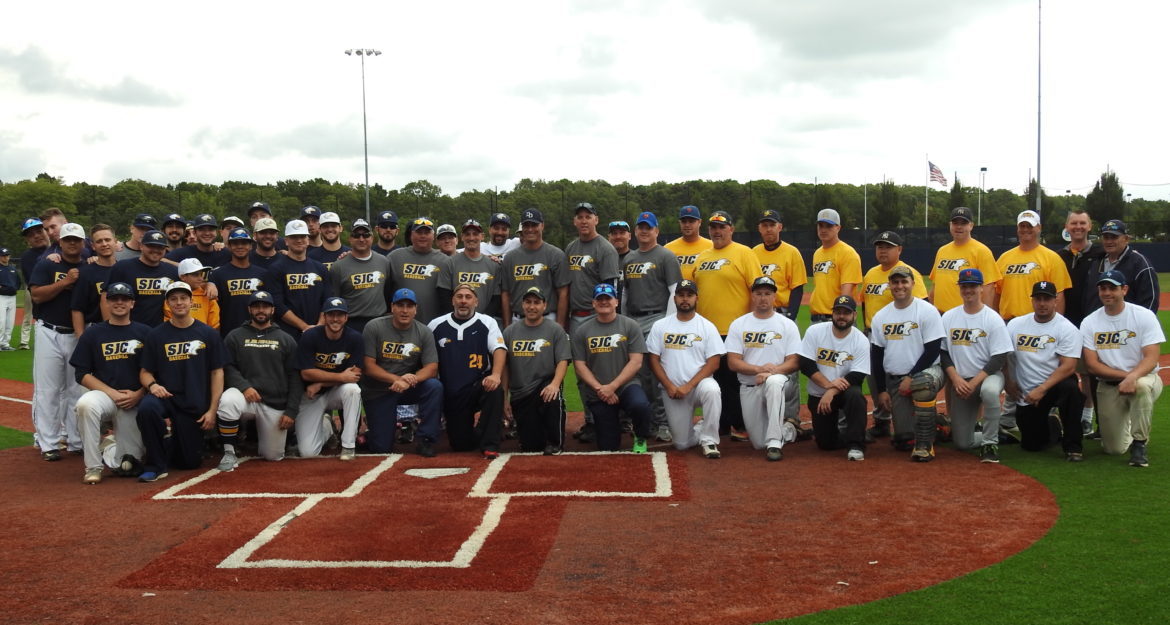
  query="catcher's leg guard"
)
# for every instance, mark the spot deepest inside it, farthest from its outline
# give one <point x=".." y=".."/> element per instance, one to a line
<point x="924" y="389"/>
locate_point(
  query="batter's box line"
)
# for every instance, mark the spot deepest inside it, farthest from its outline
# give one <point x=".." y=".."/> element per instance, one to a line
<point x="663" y="487"/>
<point x="354" y="489"/>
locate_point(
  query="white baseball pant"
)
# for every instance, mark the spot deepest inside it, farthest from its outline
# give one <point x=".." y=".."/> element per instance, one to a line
<point x="233" y="407"/>
<point x="7" y="318"/>
<point x="313" y="430"/>
<point x="94" y="408"/>
<point x="55" y="392"/>
<point x="763" y="412"/>
<point x="680" y="415"/>
<point x="965" y="412"/>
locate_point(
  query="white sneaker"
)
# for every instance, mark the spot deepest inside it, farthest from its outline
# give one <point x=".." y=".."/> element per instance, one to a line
<point x="856" y="455"/>
<point x="710" y="451"/>
<point x="789" y="431"/>
<point x="228" y="462"/>
<point x="347" y="453"/>
<point x="663" y="434"/>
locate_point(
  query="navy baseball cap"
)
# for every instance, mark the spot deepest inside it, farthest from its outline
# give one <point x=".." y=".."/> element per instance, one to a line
<point x="535" y="291"/>
<point x="239" y="234"/>
<point x="501" y="218"/>
<point x="260" y="206"/>
<point x="1044" y="288"/>
<point x="177" y="219"/>
<point x="335" y="304"/>
<point x="844" y="301"/>
<point x="970" y="276"/>
<point x="647" y="218"/>
<point x="404" y="294"/>
<point x="361" y="224"/>
<point x="471" y="223"/>
<point x="145" y="220"/>
<point x="310" y="211"/>
<point x="604" y="289"/>
<point x="770" y="215"/>
<point x="620" y="224"/>
<point x="888" y="237"/>
<point x="387" y="219"/>
<point x="204" y="220"/>
<point x="584" y="206"/>
<point x="1112" y="276"/>
<point x="962" y="212"/>
<point x="30" y="223"/>
<point x="4" y="252"/>
<point x="687" y="285"/>
<point x="531" y="216"/>
<point x="261" y="297"/>
<point x="119" y="289"/>
<point x="154" y="237"/>
<point x="689" y="212"/>
<point x="721" y="217"/>
<point x="1114" y="227"/>
<point x="763" y="282"/>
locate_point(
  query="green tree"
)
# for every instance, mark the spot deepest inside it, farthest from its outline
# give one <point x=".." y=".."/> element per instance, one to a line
<point x="1107" y="199"/>
<point x="958" y="196"/>
<point x="886" y="213"/>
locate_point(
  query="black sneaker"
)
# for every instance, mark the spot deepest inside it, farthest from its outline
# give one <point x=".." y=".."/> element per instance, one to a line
<point x="990" y="454"/>
<point x="1137" y="454"/>
<point x="587" y="433"/>
<point x="406" y="431"/>
<point x="880" y="429"/>
<point x="552" y="450"/>
<point x="425" y="448"/>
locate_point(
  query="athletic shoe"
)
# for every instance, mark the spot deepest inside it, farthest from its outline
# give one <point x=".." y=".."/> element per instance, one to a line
<point x="511" y="433"/>
<point x="989" y="453"/>
<point x="552" y="450"/>
<point x="856" y="455"/>
<point x="1094" y="435"/>
<point x="1009" y="436"/>
<point x="639" y="445"/>
<point x="7" y="348"/>
<point x="347" y="453"/>
<point x="1086" y="427"/>
<point x="922" y="454"/>
<point x="710" y="451"/>
<point x="880" y="429"/>
<point x="24" y="345"/>
<point x="664" y="435"/>
<point x="627" y="426"/>
<point x="739" y="436"/>
<point x="406" y="431"/>
<point x="1137" y="454"/>
<point x="151" y="476"/>
<point x="587" y="433"/>
<point x="52" y="455"/>
<point x="1074" y="456"/>
<point x="775" y="454"/>
<point x="788" y="432"/>
<point x="425" y="448"/>
<point x="490" y="454"/>
<point x="92" y="476"/>
<point x="903" y="444"/>
<point x="228" y="462"/>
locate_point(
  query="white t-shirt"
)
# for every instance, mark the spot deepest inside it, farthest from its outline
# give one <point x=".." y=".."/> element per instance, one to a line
<point x="684" y="346"/>
<point x="486" y="247"/>
<point x="903" y="332"/>
<point x="972" y="340"/>
<point x="762" y="341"/>
<point x="835" y="358"/>
<point x="1118" y="340"/>
<point x="1038" y="347"/>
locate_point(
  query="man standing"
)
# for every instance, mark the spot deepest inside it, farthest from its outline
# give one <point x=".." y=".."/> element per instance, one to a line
<point x="835" y="358"/>
<point x="300" y="283"/>
<point x="55" y="391"/>
<point x="499" y="228"/>
<point x="258" y="211"/>
<point x="907" y="339"/>
<point x="1141" y="279"/>
<point x="387" y="224"/>
<point x="962" y="252"/>
<point x="836" y="268"/>
<point x="37" y="241"/>
<point x="265" y="251"/>
<point x="237" y="280"/>
<point x="86" y="302"/>
<point x="1025" y="265"/>
<point x="361" y="278"/>
<point x="763" y="348"/>
<point x="9" y="285"/>
<point x="592" y="260"/>
<point x="534" y="263"/>
<point x="619" y="238"/>
<point x="473" y="268"/>
<point x="263" y="383"/>
<point x="205" y="249"/>
<point x="538" y="357"/>
<point x="607" y="354"/>
<point x="1042" y="374"/>
<point x="149" y="277"/>
<point x="782" y="263"/>
<point x="143" y="223"/>
<point x="1079" y="256"/>
<point x="684" y="352"/>
<point x="106" y="361"/>
<point x="471" y="365"/>
<point x="690" y="243"/>
<point x="974" y="351"/>
<point x="424" y="270"/>
<point x="182" y="372"/>
<point x="401" y="365"/>
<point x="330" y="357"/>
<point x="331" y="248"/>
<point x="1121" y="344"/>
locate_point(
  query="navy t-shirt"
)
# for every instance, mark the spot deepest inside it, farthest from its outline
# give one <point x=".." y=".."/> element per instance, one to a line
<point x="317" y="351"/>
<point x="182" y="359"/>
<point x="56" y="311"/>
<point x="326" y="257"/>
<point x="236" y="285"/>
<point x="87" y="293"/>
<point x="113" y="354"/>
<point x="299" y="286"/>
<point x="210" y="258"/>
<point x="264" y="261"/>
<point x="149" y="284"/>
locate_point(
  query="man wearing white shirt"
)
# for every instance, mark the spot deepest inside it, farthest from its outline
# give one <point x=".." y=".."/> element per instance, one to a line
<point x="1041" y="374"/>
<point x="1121" y="344"/>
<point x="762" y="349"/>
<point x="835" y="358"/>
<point x="973" y="354"/>
<point x="684" y="351"/>
<point x="907" y="339"/>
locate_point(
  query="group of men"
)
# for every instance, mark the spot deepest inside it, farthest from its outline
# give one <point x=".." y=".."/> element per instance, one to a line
<point x="474" y="336"/>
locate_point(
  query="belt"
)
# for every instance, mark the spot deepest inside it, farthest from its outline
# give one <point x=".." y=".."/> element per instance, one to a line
<point x="57" y="329"/>
<point x="647" y="313"/>
<point x="1111" y="382"/>
<point x="582" y="313"/>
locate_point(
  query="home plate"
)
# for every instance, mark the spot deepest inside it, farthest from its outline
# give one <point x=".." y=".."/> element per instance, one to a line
<point x="431" y="474"/>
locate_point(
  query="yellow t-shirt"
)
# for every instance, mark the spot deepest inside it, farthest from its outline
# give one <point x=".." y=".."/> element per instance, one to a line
<point x="875" y="290"/>
<point x="832" y="267"/>
<point x="686" y="253"/>
<point x="1020" y="271"/>
<point x="724" y="278"/>
<point x="784" y="265"/>
<point x="949" y="260"/>
<point x="202" y="309"/>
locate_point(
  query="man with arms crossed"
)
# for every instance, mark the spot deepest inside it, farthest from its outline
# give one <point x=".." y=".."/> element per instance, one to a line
<point x="835" y="358"/>
<point x="538" y="357"/>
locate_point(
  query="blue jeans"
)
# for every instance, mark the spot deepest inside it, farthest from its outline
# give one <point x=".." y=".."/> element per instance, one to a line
<point x="382" y="414"/>
<point x="605" y="417"/>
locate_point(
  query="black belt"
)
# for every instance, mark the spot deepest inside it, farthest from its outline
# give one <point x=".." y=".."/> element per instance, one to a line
<point x="1111" y="382"/>
<point x="57" y="329"/>
<point x="647" y="313"/>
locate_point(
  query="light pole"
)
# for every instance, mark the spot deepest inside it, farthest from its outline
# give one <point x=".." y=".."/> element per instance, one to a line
<point x="362" y="54"/>
<point x="979" y="209"/>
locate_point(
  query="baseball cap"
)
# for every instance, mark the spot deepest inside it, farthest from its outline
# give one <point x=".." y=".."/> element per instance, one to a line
<point x="829" y="216"/>
<point x="175" y="218"/>
<point x="604" y="289"/>
<point x="178" y="285"/>
<point x="261" y="297"/>
<point x="4" y="252"/>
<point x="535" y="292"/>
<point x="260" y="206"/>
<point x="1112" y="276"/>
<point x="119" y="289"/>
<point x="721" y="217"/>
<point x="1044" y="288"/>
<point x="145" y="220"/>
<point x="501" y="218"/>
<point x="620" y="224"/>
<point x="265" y="223"/>
<point x="330" y="218"/>
<point x="230" y="219"/>
<point x="1114" y="226"/>
<point x="76" y="231"/>
<point x="688" y="285"/>
<point x="204" y="220"/>
<point x="647" y="218"/>
<point x="970" y="275"/>
<point x="190" y="265"/>
<point x="335" y="304"/>
<point x="402" y="294"/>
<point x="531" y="216"/>
<point x="584" y="206"/>
<point x="844" y="301"/>
<point x="445" y="229"/>
<point x="387" y="219"/>
<point x="901" y="270"/>
<point x="763" y="282"/>
<point x="154" y="237"/>
<point x="888" y="237"/>
<point x="689" y="212"/>
<point x="29" y="224"/>
<point x="360" y="223"/>
<point x="310" y="211"/>
<point x="770" y="215"/>
<point x="471" y="223"/>
<point x="962" y="212"/>
<point x="239" y="234"/>
<point x="296" y="227"/>
<point x="1028" y="217"/>
<point x="420" y="222"/>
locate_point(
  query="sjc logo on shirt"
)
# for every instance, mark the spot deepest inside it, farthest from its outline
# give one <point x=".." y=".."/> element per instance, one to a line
<point x="1113" y="340"/>
<point x="474" y="278"/>
<point x="638" y="270"/>
<point x="966" y="336"/>
<point x="951" y="264"/>
<point x="832" y="357"/>
<point x="528" y="272"/>
<point x="896" y="331"/>
<point x="1033" y="343"/>
<point x="823" y="266"/>
<point x="301" y="281"/>
<point x="398" y="351"/>
<point x="121" y="350"/>
<point x="713" y="265"/>
<point x="673" y="340"/>
<point x="604" y="344"/>
<point x="331" y="360"/>
<point x="1020" y="269"/>
<point x="760" y="339"/>
<point x="183" y="350"/>
<point x="876" y="289"/>
<point x="527" y="347"/>
<point x="244" y="286"/>
<point x="414" y="271"/>
<point x="151" y="286"/>
<point x="579" y="262"/>
<point x="367" y="280"/>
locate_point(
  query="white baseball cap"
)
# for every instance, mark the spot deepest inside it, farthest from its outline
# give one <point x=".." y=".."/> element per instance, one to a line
<point x="1029" y="217"/>
<point x="190" y="265"/>
<point x="295" y="227"/>
<point x="330" y="218"/>
<point x="76" y="231"/>
<point x="445" y="229"/>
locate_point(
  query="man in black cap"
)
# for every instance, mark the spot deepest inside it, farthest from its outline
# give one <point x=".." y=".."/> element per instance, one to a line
<point x="311" y="215"/>
<point x="782" y="263"/>
<point x="204" y="249"/>
<point x="387" y="230"/>
<point x="175" y="227"/>
<point x="592" y="260"/>
<point x="258" y="211"/>
<point x="149" y="277"/>
<point x="142" y="224"/>
<point x="498" y="242"/>
<point x="1141" y="279"/>
<point x="535" y="263"/>
<point x="330" y="357"/>
<point x="473" y="268"/>
<point x="9" y="285"/>
<point x="835" y="358"/>
<point x="961" y="253"/>
<point x="236" y="281"/>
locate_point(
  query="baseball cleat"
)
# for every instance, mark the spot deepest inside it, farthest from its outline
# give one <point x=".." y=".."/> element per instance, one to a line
<point x="586" y="434"/>
<point x="775" y="454"/>
<point x="92" y="476"/>
<point x="552" y="450"/>
<point x="739" y="436"/>
<point x="990" y="454"/>
<point x="490" y="454"/>
<point x="639" y="445"/>
<point x="52" y="455"/>
<point x="347" y="453"/>
<point x="855" y="455"/>
<point x="880" y="429"/>
<point x="228" y="462"/>
<point x="1137" y="454"/>
<point x="425" y="448"/>
<point x="664" y="435"/>
<point x="922" y="454"/>
<point x="151" y="476"/>
<point x="710" y="451"/>
<point x="1074" y="456"/>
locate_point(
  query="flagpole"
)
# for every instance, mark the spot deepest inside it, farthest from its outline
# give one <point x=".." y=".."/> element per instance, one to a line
<point x="926" y="188"/>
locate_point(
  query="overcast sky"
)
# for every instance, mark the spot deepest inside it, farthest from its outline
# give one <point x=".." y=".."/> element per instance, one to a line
<point x="481" y="94"/>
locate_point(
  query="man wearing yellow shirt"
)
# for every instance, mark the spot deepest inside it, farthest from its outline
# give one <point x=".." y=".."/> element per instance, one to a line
<point x="688" y="246"/>
<point x="1025" y="265"/>
<point x="782" y="263"/>
<point x="963" y="252"/>
<point x="724" y="274"/>
<point x="836" y="268"/>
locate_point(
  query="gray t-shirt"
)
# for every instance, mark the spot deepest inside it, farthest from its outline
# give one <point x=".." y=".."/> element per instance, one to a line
<point x="483" y="274"/>
<point x="397" y="351"/>
<point x="590" y="263"/>
<point x="424" y="274"/>
<point x="606" y="348"/>
<point x="533" y="354"/>
<point x="545" y="267"/>
<point x="648" y="276"/>
<point x="126" y="252"/>
<point x="362" y="283"/>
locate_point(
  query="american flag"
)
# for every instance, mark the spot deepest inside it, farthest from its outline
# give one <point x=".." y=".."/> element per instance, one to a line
<point x="936" y="174"/>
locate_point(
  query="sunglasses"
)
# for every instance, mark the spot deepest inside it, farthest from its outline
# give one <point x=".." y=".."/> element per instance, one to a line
<point x="360" y="235"/>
